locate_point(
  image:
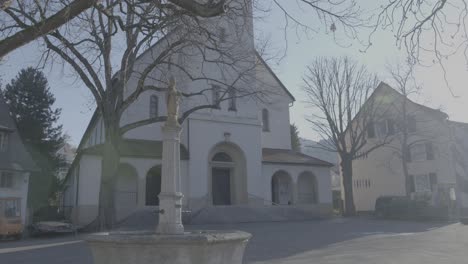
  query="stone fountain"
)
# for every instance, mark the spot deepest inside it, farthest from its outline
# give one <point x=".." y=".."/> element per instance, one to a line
<point x="169" y="243"/>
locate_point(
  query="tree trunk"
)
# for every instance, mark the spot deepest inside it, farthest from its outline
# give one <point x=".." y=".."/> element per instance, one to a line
<point x="404" y="166"/>
<point x="347" y="172"/>
<point x="110" y="163"/>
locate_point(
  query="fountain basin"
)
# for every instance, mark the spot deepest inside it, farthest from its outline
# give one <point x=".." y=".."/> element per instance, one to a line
<point x="194" y="247"/>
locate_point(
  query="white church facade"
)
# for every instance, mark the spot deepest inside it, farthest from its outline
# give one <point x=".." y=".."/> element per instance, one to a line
<point x="238" y="154"/>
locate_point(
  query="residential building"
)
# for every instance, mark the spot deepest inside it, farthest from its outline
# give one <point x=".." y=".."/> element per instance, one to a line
<point x="67" y="152"/>
<point x="238" y="154"/>
<point x="459" y="149"/>
<point x="427" y="155"/>
<point x="16" y="165"/>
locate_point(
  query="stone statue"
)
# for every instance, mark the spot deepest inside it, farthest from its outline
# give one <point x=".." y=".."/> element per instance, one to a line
<point x="172" y="101"/>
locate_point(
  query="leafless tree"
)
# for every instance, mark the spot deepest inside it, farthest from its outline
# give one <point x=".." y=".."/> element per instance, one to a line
<point x="411" y="125"/>
<point x="101" y="41"/>
<point x="340" y="15"/>
<point x="339" y="92"/>
<point x="430" y="31"/>
<point x="120" y="50"/>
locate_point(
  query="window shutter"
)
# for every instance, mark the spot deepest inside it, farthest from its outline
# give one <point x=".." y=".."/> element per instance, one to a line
<point x="433" y="181"/>
<point x="429" y="151"/>
<point x="411" y="183"/>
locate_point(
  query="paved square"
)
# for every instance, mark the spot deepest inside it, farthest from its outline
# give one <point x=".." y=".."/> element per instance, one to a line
<point x="346" y="241"/>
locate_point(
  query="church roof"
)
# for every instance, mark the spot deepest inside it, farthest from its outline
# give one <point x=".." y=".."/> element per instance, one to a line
<point x="287" y="156"/>
<point x="259" y="57"/>
<point x="137" y="148"/>
<point x="16" y="157"/>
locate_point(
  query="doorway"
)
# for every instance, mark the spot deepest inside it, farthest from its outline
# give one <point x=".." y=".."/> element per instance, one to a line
<point x="221" y="186"/>
<point x="281" y="188"/>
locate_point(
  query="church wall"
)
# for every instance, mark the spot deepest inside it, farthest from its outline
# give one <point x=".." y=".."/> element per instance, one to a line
<point x="204" y="136"/>
<point x="322" y="175"/>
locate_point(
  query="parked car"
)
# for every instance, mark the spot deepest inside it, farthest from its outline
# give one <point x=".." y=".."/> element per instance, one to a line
<point x="50" y="227"/>
<point x="399" y="207"/>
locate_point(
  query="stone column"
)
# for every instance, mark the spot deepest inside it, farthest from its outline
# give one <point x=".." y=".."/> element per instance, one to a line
<point x="170" y="198"/>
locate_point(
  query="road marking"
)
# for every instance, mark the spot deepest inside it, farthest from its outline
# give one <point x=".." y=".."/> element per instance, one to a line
<point x="17" y="249"/>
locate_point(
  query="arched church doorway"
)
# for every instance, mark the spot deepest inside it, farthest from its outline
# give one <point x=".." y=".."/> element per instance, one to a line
<point x="281" y="188"/>
<point x="125" y="191"/>
<point x="153" y="186"/>
<point x="228" y="180"/>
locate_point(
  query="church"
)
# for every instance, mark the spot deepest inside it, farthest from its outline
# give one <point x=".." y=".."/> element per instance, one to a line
<point x="237" y="155"/>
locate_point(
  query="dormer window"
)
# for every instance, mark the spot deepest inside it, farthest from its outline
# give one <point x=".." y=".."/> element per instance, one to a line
<point x="153" y="108"/>
<point x="3" y="141"/>
<point x="265" y="120"/>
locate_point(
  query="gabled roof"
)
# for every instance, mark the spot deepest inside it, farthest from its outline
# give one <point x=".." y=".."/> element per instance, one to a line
<point x="384" y="87"/>
<point x="259" y="57"/>
<point x="16" y="157"/>
<point x="287" y="156"/>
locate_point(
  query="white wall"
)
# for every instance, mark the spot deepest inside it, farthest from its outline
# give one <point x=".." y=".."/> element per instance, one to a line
<point x="383" y="166"/>
<point x="205" y="134"/>
<point x="322" y="175"/>
<point x="277" y="102"/>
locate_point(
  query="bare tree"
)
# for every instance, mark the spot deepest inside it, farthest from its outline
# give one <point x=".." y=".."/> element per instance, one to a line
<point x="429" y="31"/>
<point x="120" y="50"/>
<point x="410" y="126"/>
<point x="344" y="15"/>
<point x="102" y="42"/>
<point x="339" y="92"/>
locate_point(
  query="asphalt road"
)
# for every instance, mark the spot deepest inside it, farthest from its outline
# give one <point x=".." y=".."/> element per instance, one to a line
<point x="346" y="241"/>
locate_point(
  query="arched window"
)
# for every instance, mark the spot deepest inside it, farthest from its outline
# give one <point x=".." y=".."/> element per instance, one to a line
<point x="265" y="120"/>
<point x="308" y="188"/>
<point x="153" y="108"/>
<point x="222" y="157"/>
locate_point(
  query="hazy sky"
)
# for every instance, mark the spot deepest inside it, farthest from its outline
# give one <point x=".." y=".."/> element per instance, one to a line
<point x="77" y="104"/>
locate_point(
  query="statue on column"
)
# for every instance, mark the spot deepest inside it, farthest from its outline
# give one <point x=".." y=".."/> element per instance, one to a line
<point x="172" y="101"/>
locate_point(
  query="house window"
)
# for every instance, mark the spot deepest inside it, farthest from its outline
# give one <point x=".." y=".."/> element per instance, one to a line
<point x="153" y="108"/>
<point x="386" y="128"/>
<point x="370" y="130"/>
<point x="382" y="128"/>
<point x="3" y="141"/>
<point x="390" y="127"/>
<point x="421" y="151"/>
<point x="232" y="99"/>
<point x="422" y="183"/>
<point x="429" y="151"/>
<point x="418" y="152"/>
<point x="12" y="208"/>
<point x="6" y="179"/>
<point x="216" y="95"/>
<point x="265" y="120"/>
